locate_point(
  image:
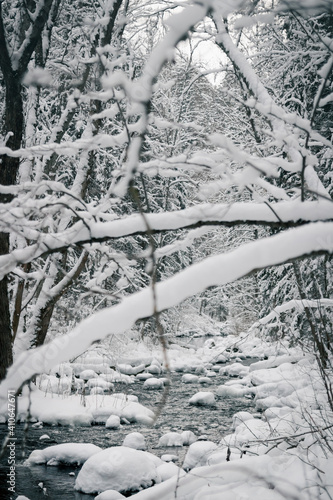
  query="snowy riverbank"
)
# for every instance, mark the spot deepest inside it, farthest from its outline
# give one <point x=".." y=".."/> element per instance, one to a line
<point x="281" y="451"/>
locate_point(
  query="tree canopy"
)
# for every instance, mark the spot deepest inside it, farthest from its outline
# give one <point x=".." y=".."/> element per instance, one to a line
<point x="130" y="180"/>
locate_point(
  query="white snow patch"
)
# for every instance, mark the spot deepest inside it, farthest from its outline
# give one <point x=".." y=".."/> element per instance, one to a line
<point x="167" y="470"/>
<point x="153" y="383"/>
<point x="198" y="454"/>
<point x="118" y="468"/>
<point x="189" y="378"/>
<point x="66" y="453"/>
<point x="203" y="399"/>
<point x="113" y="422"/>
<point x="171" y="439"/>
<point x="109" y="495"/>
<point x="135" y="440"/>
<point x="188" y="437"/>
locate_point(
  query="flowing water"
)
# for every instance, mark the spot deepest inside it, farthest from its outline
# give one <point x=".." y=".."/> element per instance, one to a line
<point x="57" y="483"/>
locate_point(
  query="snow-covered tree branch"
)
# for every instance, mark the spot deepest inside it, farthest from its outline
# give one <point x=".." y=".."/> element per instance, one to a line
<point x="127" y="150"/>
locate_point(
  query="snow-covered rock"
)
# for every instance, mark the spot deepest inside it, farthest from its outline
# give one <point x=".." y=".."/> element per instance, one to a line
<point x="255" y="430"/>
<point x="101" y="383"/>
<point x="105" y="406"/>
<point x="119" y="468"/>
<point x="154" y="368"/>
<point x="264" y="403"/>
<point x="54" y="409"/>
<point x="167" y="470"/>
<point x="88" y="374"/>
<point x="240" y="417"/>
<point x="113" y="422"/>
<point x="171" y="439"/>
<point x="44" y="437"/>
<point x="284" y="372"/>
<point x="179" y="366"/>
<point x="135" y="440"/>
<point x="275" y="361"/>
<point x="203" y="399"/>
<point x="198" y="453"/>
<point x="200" y="370"/>
<point x="232" y="391"/>
<point x="277" y="412"/>
<point x="234" y="370"/>
<point x="221" y="358"/>
<point x="153" y="383"/>
<point x="65" y="454"/>
<point x="109" y="495"/>
<point x="169" y="458"/>
<point x="189" y="378"/>
<point x="135" y="412"/>
<point x="188" y="437"/>
<point x="37" y="425"/>
<point x="205" y="380"/>
<point x="127" y="369"/>
<point x="144" y="376"/>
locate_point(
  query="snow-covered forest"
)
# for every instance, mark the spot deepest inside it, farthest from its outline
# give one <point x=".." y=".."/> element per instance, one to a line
<point x="166" y="172"/>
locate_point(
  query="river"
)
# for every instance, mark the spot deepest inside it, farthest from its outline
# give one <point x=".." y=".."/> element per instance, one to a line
<point x="177" y="415"/>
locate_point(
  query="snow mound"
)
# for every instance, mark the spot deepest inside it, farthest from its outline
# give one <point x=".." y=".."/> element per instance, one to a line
<point x="88" y="374"/>
<point x="109" y="495"/>
<point x="188" y="438"/>
<point x="232" y="391"/>
<point x="167" y="470"/>
<point x="264" y="478"/>
<point x="203" y="399"/>
<point x="135" y="440"/>
<point x="113" y="422"/>
<point x="53" y="409"/>
<point x="198" y="454"/>
<point x="126" y="369"/>
<point x="221" y="358"/>
<point x="135" y="412"/>
<point x="144" y="376"/>
<point x="153" y="383"/>
<point x="235" y="370"/>
<point x="118" y="468"/>
<point x="155" y="368"/>
<point x="44" y="437"/>
<point x="189" y="378"/>
<point x="100" y="382"/>
<point x="66" y="453"/>
<point x="171" y="439"/>
<point x="104" y="406"/>
<point x="275" y="361"/>
<point x="169" y="458"/>
<point x="240" y="417"/>
<point x="205" y="380"/>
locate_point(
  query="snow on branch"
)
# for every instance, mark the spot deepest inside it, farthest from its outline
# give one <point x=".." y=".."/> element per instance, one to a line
<point x="87" y="231"/>
<point x="282" y="122"/>
<point x="285" y="214"/>
<point x="213" y="271"/>
<point x="300" y="305"/>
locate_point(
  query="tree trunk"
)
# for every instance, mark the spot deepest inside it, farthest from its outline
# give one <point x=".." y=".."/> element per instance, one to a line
<point x="6" y="356"/>
<point x="8" y="172"/>
<point x="12" y="130"/>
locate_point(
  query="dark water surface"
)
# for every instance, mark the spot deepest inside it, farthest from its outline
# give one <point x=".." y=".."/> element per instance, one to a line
<point x="177" y="415"/>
